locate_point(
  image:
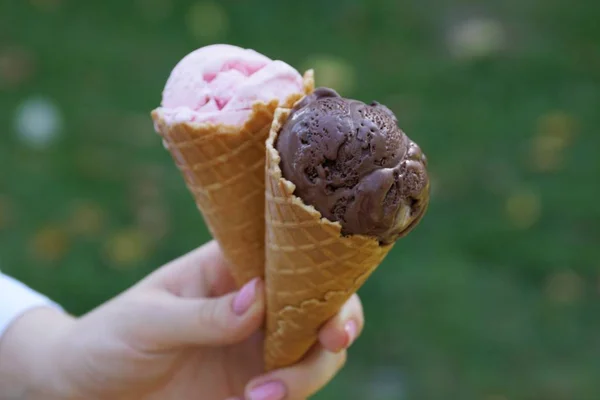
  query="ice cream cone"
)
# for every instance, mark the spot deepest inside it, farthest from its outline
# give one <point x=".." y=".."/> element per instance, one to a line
<point x="311" y="269"/>
<point x="223" y="167"/>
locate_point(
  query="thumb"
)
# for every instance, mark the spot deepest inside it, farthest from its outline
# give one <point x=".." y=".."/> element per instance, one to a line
<point x="218" y="321"/>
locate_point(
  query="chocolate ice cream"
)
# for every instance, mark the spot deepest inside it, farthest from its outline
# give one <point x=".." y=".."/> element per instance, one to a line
<point x="354" y="164"/>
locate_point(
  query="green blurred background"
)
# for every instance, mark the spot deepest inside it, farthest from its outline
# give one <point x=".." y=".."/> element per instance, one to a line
<point x="495" y="296"/>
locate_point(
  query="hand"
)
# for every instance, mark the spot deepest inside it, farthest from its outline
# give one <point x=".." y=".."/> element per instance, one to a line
<point x="184" y="333"/>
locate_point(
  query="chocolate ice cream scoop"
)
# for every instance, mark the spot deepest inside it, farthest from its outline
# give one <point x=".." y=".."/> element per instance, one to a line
<point x="354" y="164"/>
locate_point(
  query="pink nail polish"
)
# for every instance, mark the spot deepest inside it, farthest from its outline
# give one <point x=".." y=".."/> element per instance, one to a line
<point x="245" y="297"/>
<point x="351" y="330"/>
<point x="268" y="391"/>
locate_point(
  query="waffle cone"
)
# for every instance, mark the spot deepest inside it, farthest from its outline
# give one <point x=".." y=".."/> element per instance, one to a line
<point x="223" y="167"/>
<point x="311" y="269"/>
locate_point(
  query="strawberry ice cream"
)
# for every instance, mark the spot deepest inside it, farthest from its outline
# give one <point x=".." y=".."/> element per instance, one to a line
<point x="218" y="84"/>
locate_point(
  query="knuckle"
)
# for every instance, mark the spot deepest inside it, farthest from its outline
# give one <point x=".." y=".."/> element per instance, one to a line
<point x="219" y="319"/>
<point x="211" y="314"/>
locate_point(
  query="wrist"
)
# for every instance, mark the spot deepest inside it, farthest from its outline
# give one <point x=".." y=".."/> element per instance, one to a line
<point x="30" y="358"/>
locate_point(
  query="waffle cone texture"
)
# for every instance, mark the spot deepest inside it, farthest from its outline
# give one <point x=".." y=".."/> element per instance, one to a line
<point x="223" y="167"/>
<point x="311" y="269"/>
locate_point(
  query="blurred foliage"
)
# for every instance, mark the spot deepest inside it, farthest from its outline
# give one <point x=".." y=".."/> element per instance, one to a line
<point x="495" y="296"/>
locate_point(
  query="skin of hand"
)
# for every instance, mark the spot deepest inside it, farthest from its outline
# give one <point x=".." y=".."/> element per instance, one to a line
<point x="183" y="332"/>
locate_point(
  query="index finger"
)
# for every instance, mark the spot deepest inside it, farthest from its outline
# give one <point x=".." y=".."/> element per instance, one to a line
<point x="203" y="272"/>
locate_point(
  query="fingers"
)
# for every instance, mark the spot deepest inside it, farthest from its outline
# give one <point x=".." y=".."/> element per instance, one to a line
<point x="341" y="331"/>
<point x="203" y="272"/>
<point x="310" y="375"/>
<point x="216" y="275"/>
<point x="299" y="381"/>
<point x="216" y="321"/>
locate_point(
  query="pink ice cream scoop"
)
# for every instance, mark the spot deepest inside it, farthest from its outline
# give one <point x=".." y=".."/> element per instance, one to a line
<point x="219" y="83"/>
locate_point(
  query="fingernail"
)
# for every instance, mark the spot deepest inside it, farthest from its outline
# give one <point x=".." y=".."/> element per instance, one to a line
<point x="268" y="391"/>
<point x="244" y="299"/>
<point x="351" y="330"/>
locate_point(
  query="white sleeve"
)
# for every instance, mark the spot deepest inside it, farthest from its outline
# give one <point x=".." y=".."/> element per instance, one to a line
<point x="16" y="298"/>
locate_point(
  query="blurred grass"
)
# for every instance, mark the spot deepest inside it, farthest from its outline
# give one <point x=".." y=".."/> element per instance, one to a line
<point x="495" y="296"/>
